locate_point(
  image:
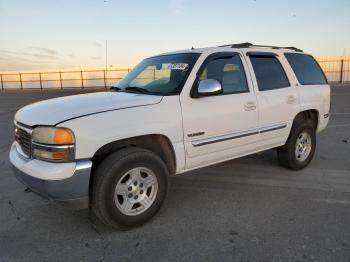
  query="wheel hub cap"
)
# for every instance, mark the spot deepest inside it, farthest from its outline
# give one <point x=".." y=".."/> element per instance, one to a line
<point x="303" y="147"/>
<point x="136" y="191"/>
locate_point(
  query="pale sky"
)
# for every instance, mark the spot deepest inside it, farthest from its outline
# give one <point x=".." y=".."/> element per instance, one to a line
<point x="44" y="34"/>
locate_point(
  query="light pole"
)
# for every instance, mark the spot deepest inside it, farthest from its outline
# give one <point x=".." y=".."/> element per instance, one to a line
<point x="106" y="56"/>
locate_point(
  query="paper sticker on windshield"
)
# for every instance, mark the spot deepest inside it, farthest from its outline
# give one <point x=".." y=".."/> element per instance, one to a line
<point x="178" y="66"/>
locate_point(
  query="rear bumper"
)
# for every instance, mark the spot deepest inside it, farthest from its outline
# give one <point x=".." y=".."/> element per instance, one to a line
<point x="322" y="122"/>
<point x="71" y="191"/>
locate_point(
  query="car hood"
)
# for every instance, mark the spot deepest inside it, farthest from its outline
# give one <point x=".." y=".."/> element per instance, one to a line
<point x="54" y="111"/>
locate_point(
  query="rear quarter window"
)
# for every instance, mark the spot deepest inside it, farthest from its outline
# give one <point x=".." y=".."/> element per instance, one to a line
<point x="306" y="69"/>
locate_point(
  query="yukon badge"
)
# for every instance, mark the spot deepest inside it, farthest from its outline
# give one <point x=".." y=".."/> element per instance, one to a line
<point x="196" y="134"/>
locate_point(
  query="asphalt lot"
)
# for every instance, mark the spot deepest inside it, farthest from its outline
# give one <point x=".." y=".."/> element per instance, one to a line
<point x="248" y="209"/>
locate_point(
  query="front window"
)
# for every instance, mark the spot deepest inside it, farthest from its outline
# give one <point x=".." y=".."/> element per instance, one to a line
<point x="161" y="75"/>
<point x="229" y="71"/>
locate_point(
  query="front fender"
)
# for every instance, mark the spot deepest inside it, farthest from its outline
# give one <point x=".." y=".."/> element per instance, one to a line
<point x="94" y="131"/>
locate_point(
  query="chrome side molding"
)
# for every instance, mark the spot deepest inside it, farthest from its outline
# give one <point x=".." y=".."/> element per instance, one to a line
<point x="255" y="131"/>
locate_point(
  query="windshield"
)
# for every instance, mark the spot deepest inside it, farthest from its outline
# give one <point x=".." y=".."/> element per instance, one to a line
<point x="161" y="75"/>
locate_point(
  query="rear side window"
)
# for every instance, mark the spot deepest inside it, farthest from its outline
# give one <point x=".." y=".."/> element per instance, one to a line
<point x="306" y="69"/>
<point x="269" y="73"/>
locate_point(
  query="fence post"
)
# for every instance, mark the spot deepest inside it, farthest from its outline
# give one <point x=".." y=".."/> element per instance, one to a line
<point x="41" y="84"/>
<point x="104" y="78"/>
<point x="20" y="79"/>
<point x="61" y="80"/>
<point x="2" y="83"/>
<point x="82" y="79"/>
<point x="154" y="74"/>
<point x="341" y="70"/>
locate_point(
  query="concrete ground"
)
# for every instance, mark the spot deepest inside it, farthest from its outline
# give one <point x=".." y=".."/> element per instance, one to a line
<point x="249" y="209"/>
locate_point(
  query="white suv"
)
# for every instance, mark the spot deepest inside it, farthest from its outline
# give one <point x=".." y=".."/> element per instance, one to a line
<point x="113" y="151"/>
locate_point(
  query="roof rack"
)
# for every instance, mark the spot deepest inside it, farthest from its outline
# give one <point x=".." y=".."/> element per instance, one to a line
<point x="248" y="45"/>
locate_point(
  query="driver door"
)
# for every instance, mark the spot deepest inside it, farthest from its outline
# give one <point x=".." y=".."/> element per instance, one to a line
<point x="221" y="126"/>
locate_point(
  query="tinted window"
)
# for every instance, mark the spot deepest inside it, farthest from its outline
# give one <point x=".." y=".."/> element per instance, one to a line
<point x="306" y="69"/>
<point x="229" y="72"/>
<point x="269" y="73"/>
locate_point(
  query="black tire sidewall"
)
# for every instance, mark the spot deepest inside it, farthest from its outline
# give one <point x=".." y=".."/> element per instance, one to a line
<point x="292" y="144"/>
<point x="112" y="173"/>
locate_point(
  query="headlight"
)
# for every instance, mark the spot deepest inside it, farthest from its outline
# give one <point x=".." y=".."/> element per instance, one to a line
<point x="53" y="143"/>
<point x="53" y="136"/>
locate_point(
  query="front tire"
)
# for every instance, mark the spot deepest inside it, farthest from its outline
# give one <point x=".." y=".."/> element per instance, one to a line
<point x="300" y="147"/>
<point x="129" y="187"/>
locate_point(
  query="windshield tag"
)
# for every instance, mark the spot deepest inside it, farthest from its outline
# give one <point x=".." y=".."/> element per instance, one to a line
<point x="178" y="66"/>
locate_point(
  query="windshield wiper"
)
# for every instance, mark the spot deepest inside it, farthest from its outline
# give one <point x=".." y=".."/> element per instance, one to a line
<point x="136" y="89"/>
<point x="115" y="88"/>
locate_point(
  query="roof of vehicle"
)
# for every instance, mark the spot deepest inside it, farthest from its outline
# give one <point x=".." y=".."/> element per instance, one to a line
<point x="244" y="47"/>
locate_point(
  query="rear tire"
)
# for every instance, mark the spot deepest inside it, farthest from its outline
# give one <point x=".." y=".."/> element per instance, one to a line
<point x="129" y="187"/>
<point x="300" y="147"/>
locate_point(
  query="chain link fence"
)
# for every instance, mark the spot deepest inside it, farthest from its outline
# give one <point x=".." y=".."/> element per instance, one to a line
<point x="337" y="70"/>
<point x="62" y="79"/>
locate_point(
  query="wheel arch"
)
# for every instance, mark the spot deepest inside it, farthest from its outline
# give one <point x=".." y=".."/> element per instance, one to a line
<point x="157" y="143"/>
<point x="311" y="115"/>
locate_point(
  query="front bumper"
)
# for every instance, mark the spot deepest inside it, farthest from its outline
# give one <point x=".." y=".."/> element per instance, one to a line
<point x="64" y="183"/>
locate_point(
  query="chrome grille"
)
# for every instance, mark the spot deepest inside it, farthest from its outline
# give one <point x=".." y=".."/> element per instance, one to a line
<point x="24" y="140"/>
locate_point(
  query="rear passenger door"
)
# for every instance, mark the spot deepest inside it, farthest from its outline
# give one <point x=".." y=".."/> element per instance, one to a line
<point x="277" y="98"/>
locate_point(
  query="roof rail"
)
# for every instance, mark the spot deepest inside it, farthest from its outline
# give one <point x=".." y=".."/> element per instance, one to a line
<point x="248" y="45"/>
<point x="239" y="45"/>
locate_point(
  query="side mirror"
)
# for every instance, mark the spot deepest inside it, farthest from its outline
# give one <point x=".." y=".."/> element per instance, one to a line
<point x="209" y="87"/>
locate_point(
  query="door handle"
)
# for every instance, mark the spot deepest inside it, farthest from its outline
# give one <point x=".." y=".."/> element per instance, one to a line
<point x="291" y="99"/>
<point x="249" y="106"/>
